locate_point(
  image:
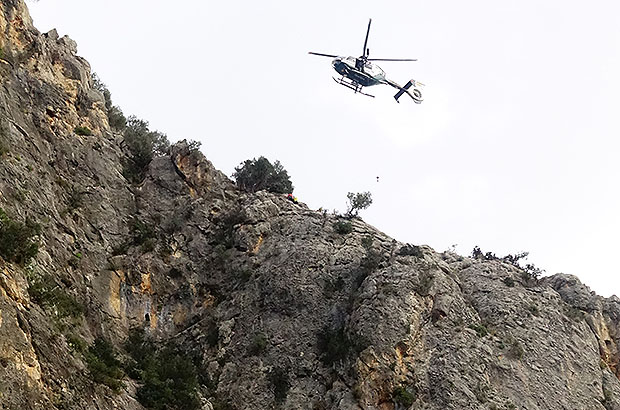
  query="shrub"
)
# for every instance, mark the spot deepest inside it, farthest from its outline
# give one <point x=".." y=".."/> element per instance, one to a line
<point x="76" y="343"/>
<point x="357" y="202"/>
<point x="169" y="381"/>
<point x="141" y="232"/>
<point x="334" y="345"/>
<point x="343" y="227"/>
<point x="4" y="148"/>
<point x="258" y="345"/>
<point x="45" y="292"/>
<point x="116" y="119"/>
<point x="17" y="242"/>
<point x="478" y="254"/>
<point x="103" y="364"/>
<point x="193" y="146"/>
<point x="529" y="271"/>
<point x="402" y="396"/>
<point x="280" y="383"/>
<point x="480" y="329"/>
<point x="143" y="145"/>
<point x="259" y="174"/>
<point x="168" y="376"/>
<point x="82" y="131"/>
<point x="410" y="250"/>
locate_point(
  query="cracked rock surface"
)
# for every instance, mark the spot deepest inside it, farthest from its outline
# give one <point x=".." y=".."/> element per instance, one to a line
<point x="278" y="309"/>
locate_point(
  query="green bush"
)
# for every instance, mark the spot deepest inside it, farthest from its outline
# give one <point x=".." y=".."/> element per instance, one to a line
<point x="403" y="397"/>
<point x="17" y="243"/>
<point x="529" y="271"/>
<point x="169" y="377"/>
<point x="45" y="292"/>
<point x="258" y="345"/>
<point x="142" y="233"/>
<point x="76" y="343"/>
<point x="335" y="345"/>
<point x="259" y="174"/>
<point x="143" y="145"/>
<point x="82" y="131"/>
<point x="480" y="329"/>
<point x="116" y="119"/>
<point x="103" y="364"/>
<point x="343" y="227"/>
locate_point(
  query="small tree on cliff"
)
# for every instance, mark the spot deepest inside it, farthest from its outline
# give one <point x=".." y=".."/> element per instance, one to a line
<point x="143" y="145"/>
<point x="259" y="174"/>
<point x="357" y="202"/>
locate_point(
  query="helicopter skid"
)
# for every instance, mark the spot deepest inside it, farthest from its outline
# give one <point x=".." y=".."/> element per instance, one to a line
<point x="352" y="85"/>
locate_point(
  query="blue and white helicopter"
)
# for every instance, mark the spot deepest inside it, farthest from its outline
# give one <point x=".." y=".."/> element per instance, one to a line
<point x="361" y="72"/>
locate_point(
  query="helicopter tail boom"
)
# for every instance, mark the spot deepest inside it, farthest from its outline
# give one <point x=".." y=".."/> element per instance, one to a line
<point x="415" y="94"/>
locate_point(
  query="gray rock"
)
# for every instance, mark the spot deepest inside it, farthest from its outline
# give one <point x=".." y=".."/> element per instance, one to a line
<point x="275" y="307"/>
<point x="70" y="44"/>
<point x="52" y="34"/>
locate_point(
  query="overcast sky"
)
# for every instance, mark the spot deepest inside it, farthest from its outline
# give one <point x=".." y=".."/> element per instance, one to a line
<point x="515" y="147"/>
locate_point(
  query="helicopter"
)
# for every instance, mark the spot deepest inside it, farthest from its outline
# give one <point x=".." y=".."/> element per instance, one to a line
<point x="360" y="72"/>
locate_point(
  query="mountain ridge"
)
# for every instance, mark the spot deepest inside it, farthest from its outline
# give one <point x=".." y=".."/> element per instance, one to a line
<point x="274" y="307"/>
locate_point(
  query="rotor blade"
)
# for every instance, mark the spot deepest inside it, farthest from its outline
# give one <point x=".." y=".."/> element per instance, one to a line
<point x="322" y="55"/>
<point x="392" y="59"/>
<point x="366" y="41"/>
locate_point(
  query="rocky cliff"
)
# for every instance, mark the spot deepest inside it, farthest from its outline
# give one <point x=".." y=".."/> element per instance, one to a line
<point x="269" y="303"/>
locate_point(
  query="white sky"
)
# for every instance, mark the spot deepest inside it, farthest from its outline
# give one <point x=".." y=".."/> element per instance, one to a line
<point x="515" y="147"/>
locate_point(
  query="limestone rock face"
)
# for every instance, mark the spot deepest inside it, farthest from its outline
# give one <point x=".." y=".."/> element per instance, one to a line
<point x="275" y="306"/>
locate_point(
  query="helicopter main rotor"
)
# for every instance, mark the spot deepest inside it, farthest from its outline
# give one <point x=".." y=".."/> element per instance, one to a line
<point x="361" y="60"/>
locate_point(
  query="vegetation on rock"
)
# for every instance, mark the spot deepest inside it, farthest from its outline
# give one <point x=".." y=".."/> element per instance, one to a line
<point x="116" y="118"/>
<point x="47" y="293"/>
<point x="259" y="174"/>
<point x="169" y="377"/>
<point x="143" y="145"/>
<point x="103" y="364"/>
<point x="530" y="271"/>
<point x="17" y="239"/>
<point x="83" y="131"/>
<point x="402" y="396"/>
<point x="357" y="202"/>
<point x="343" y="227"/>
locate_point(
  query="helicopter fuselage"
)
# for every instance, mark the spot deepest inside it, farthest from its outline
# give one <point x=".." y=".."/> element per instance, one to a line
<point x="367" y="75"/>
<point x="360" y="72"/>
